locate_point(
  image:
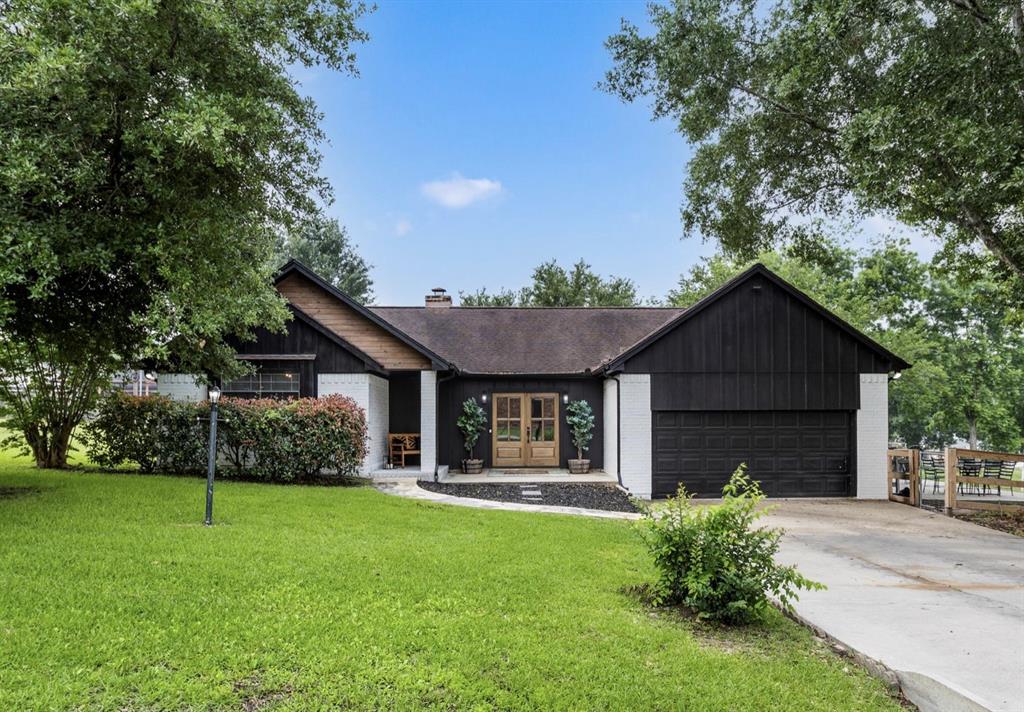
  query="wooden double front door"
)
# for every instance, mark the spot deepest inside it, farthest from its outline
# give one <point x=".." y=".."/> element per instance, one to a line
<point x="525" y="430"/>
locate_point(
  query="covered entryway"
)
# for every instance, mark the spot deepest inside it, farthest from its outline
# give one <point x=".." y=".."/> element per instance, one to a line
<point x="525" y="431"/>
<point x="805" y="453"/>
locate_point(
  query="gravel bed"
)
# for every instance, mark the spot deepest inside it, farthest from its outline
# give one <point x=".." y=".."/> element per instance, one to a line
<point x="607" y="497"/>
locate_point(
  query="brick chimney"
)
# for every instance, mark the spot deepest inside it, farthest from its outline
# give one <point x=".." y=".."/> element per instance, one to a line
<point x="438" y="297"/>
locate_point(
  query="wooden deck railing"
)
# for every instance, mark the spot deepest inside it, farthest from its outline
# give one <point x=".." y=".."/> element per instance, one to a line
<point x="912" y="475"/>
<point x="954" y="478"/>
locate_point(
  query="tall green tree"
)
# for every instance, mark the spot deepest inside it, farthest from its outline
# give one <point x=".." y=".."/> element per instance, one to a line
<point x="555" y="286"/>
<point x="801" y="110"/>
<point x="323" y="245"/>
<point x="149" y="154"/>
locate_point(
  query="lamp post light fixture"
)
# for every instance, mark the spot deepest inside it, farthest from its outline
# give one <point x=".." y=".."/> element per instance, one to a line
<point x="211" y="461"/>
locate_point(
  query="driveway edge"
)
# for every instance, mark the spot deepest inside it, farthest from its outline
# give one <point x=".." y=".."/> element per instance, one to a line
<point x="926" y="693"/>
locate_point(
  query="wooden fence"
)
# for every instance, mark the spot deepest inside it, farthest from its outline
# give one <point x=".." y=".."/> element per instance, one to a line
<point x="912" y="475"/>
<point x="954" y="479"/>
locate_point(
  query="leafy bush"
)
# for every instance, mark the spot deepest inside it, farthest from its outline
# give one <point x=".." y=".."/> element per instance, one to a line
<point x="580" y="419"/>
<point x="713" y="560"/>
<point x="472" y="421"/>
<point x="154" y="432"/>
<point x="265" y="439"/>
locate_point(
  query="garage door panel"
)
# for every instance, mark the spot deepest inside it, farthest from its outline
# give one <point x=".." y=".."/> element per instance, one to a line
<point x="790" y="453"/>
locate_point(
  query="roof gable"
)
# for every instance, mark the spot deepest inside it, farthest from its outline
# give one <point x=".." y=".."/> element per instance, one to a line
<point x="759" y="273"/>
<point x="356" y="325"/>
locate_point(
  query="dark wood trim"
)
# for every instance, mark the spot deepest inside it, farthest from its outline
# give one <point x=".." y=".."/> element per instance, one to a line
<point x="275" y="357"/>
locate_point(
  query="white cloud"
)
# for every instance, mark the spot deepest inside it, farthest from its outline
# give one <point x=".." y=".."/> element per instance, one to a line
<point x="458" y="192"/>
<point x="403" y="227"/>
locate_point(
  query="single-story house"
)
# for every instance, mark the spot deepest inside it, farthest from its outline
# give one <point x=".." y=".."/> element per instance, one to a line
<point x="755" y="372"/>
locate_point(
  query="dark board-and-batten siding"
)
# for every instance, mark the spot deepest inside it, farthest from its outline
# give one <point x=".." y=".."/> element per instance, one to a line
<point x="756" y="348"/>
<point x="454" y="392"/>
<point x="301" y="338"/>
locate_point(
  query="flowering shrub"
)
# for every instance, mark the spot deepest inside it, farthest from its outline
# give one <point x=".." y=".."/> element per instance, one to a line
<point x="712" y="559"/>
<point x="265" y="439"/>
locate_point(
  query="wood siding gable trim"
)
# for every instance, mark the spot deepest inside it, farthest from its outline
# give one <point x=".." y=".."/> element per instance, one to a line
<point x="617" y="364"/>
<point x="428" y="359"/>
<point x="371" y="363"/>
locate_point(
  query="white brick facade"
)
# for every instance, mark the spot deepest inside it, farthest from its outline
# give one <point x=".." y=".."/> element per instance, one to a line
<point x="428" y="422"/>
<point x="611" y="426"/>
<point x="872" y="436"/>
<point x="635" y="432"/>
<point x="180" y="386"/>
<point x="370" y="393"/>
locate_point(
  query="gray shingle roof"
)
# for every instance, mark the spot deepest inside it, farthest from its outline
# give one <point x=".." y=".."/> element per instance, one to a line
<point x="501" y="340"/>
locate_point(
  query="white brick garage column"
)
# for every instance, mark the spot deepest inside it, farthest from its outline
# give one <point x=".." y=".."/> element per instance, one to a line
<point x="635" y="433"/>
<point x="370" y="393"/>
<point x="428" y="422"/>
<point x="872" y="436"/>
<point x="611" y="426"/>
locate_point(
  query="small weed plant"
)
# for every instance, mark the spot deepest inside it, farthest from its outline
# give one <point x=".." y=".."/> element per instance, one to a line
<point x="714" y="560"/>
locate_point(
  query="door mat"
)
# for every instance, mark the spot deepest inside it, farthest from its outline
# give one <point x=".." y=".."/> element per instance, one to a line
<point x="524" y="472"/>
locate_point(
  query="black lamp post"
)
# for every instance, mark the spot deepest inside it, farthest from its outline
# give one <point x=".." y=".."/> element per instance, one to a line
<point x="211" y="462"/>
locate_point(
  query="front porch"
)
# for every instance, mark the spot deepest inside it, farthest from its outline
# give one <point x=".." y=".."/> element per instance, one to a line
<point x="499" y="475"/>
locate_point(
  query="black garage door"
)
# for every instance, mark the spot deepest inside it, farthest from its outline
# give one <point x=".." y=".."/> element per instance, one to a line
<point x="791" y="453"/>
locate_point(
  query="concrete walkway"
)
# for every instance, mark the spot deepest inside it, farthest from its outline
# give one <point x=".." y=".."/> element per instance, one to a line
<point x="404" y="487"/>
<point x="935" y="599"/>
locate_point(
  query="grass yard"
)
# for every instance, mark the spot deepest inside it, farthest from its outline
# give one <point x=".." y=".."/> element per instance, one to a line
<point x="113" y="596"/>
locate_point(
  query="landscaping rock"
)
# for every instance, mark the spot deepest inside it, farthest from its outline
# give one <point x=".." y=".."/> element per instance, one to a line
<point x="606" y="497"/>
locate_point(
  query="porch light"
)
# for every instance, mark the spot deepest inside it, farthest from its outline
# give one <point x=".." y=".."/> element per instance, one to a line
<point x="483" y="397"/>
<point x="565" y="398"/>
<point x="895" y="375"/>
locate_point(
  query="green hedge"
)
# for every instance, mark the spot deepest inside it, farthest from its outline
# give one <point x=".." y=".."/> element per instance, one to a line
<point x="264" y="439"/>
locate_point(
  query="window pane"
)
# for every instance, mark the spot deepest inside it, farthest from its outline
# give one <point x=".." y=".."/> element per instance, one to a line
<point x="535" y="407"/>
<point x="514" y="407"/>
<point x="514" y="432"/>
<point x="549" y="431"/>
<point x="502" y="431"/>
<point x="502" y="407"/>
<point x="549" y="407"/>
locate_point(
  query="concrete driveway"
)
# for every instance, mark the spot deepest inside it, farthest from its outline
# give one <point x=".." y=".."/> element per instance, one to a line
<point x="933" y="598"/>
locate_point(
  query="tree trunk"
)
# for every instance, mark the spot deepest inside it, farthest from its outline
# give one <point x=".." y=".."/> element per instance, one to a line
<point x="50" y="449"/>
<point x="972" y="430"/>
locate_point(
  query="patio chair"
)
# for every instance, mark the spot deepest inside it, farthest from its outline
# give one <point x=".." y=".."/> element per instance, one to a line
<point x="933" y="468"/>
<point x="969" y="467"/>
<point x="1006" y="470"/>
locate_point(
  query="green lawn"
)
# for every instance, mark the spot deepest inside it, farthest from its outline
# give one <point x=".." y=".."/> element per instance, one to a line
<point x="113" y="596"/>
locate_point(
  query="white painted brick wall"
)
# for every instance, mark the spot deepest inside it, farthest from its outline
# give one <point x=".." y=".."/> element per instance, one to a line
<point x="428" y="422"/>
<point x="872" y="436"/>
<point x="180" y="386"/>
<point x="378" y="420"/>
<point x="611" y="427"/>
<point x="361" y="388"/>
<point x="635" y="432"/>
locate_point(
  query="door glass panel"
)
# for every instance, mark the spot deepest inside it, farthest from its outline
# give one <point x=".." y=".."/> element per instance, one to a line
<point x="549" y="431"/>
<point x="549" y="407"/>
<point x="502" y="431"/>
<point x="514" y="407"/>
<point x="502" y="407"/>
<point x="535" y="407"/>
<point x="513" y="431"/>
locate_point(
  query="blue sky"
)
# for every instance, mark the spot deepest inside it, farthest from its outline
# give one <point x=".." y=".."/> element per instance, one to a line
<point x="474" y="145"/>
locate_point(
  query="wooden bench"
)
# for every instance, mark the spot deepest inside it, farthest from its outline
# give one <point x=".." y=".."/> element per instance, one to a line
<point x="401" y="445"/>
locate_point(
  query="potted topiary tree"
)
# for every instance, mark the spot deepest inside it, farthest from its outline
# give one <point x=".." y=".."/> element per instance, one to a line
<point x="472" y="421"/>
<point x="580" y="419"/>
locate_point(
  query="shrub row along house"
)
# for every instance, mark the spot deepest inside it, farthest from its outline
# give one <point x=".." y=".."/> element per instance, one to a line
<point x="755" y="372"/>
